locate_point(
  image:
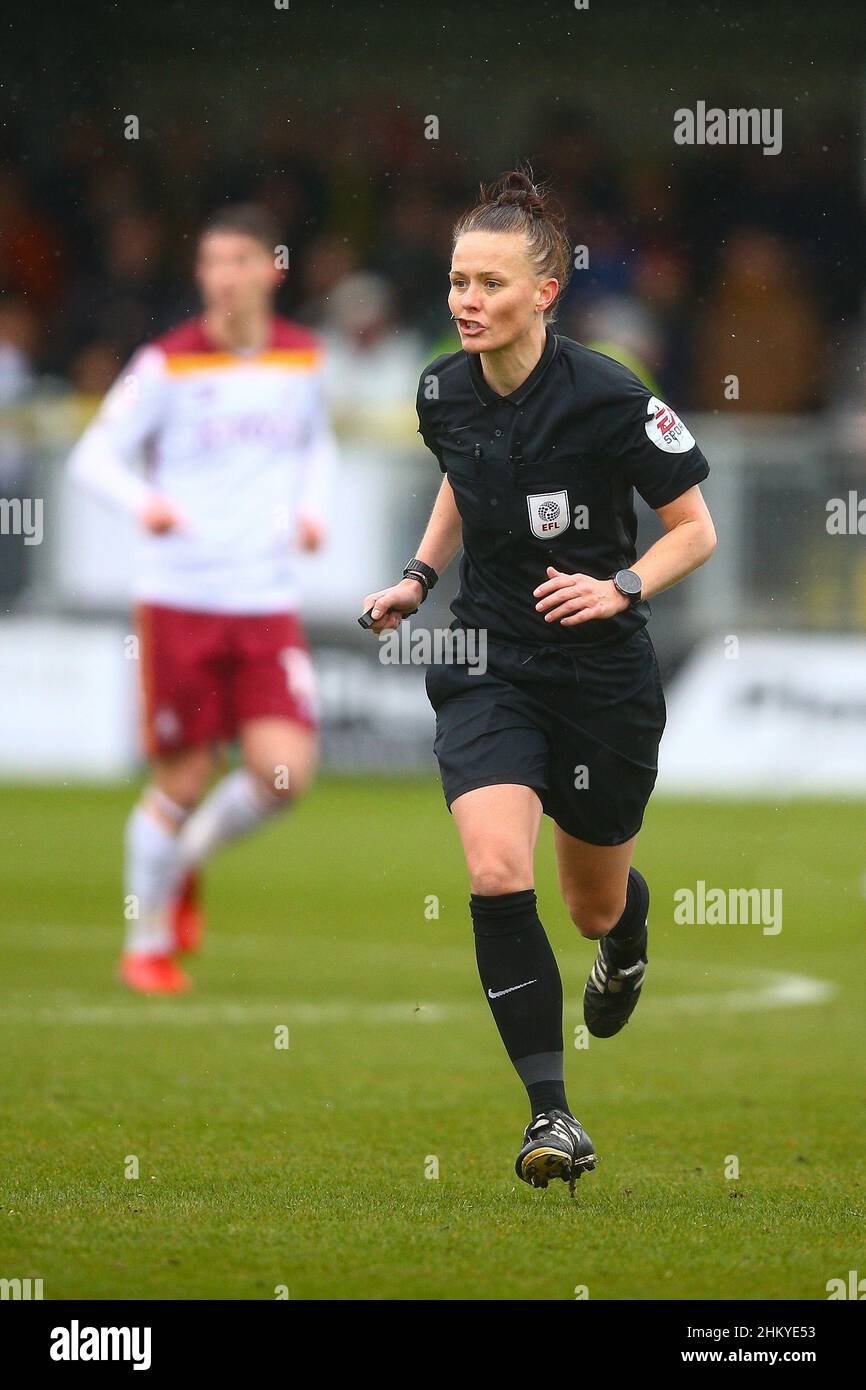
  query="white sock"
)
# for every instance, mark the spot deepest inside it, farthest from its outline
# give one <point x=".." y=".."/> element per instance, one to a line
<point x="152" y="869"/>
<point x="237" y="804"/>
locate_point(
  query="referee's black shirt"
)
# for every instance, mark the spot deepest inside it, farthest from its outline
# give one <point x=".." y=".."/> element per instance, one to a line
<point x="545" y="476"/>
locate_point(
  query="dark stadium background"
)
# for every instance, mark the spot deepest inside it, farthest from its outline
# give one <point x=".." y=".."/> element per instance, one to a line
<point x="319" y="110"/>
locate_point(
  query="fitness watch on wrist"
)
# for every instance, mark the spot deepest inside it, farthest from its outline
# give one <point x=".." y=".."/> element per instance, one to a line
<point x="425" y="574"/>
<point x="629" y="584"/>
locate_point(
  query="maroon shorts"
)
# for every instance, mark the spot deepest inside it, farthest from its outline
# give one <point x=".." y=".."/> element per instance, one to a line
<point x="203" y="675"/>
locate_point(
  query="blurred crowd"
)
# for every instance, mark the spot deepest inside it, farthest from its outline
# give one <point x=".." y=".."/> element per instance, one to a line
<point x="708" y="266"/>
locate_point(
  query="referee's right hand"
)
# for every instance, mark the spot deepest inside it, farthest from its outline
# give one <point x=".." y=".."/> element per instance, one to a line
<point x="390" y="606"/>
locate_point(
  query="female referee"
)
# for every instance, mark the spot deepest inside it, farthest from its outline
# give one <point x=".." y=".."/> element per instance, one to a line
<point x="542" y="443"/>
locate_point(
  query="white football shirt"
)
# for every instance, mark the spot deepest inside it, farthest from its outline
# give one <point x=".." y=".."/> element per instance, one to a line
<point x="240" y="444"/>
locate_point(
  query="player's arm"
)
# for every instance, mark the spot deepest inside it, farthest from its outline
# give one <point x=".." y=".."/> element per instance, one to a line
<point x="106" y="456"/>
<point x="439" y="544"/>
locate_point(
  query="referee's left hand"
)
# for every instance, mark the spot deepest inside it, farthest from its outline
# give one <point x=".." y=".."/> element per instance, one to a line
<point x="577" y="598"/>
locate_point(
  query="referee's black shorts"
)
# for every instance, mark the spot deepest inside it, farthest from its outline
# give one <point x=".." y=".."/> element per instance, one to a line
<point x="581" y="727"/>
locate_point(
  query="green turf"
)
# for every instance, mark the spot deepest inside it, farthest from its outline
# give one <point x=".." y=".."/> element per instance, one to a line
<point x="305" y="1167"/>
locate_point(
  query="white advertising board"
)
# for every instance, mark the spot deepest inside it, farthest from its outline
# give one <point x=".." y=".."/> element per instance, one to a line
<point x="768" y="714"/>
<point x="67" y="700"/>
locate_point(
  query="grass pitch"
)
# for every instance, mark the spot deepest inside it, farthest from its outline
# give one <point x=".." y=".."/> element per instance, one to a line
<point x="310" y="1168"/>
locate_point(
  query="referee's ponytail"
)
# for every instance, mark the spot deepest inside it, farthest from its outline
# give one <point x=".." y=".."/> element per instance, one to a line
<point x="515" y="203"/>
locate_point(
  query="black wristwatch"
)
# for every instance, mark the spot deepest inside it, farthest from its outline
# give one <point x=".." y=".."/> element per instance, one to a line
<point x="425" y="574"/>
<point x="629" y="584"/>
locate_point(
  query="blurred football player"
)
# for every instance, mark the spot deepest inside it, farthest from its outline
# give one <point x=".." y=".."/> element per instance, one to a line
<point x="227" y="411"/>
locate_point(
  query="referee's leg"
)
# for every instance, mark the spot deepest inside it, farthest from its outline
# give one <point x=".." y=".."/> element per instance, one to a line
<point x="608" y="900"/>
<point x="498" y="827"/>
<point x="593" y="880"/>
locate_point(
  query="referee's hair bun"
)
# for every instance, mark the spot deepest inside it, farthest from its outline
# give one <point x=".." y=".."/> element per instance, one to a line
<point x="515" y="203"/>
<point x="515" y="189"/>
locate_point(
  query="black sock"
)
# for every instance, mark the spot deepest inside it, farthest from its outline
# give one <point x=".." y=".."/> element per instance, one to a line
<point x="521" y="981"/>
<point x="626" y="941"/>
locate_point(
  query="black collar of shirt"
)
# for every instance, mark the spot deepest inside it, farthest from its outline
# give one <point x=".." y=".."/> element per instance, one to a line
<point x="488" y="396"/>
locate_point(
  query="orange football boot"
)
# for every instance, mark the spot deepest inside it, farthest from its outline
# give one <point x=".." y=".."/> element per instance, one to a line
<point x="153" y="974"/>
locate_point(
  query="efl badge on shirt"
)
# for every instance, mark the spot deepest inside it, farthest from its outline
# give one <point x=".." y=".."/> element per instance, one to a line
<point x="665" y="429"/>
<point x="548" y="513"/>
